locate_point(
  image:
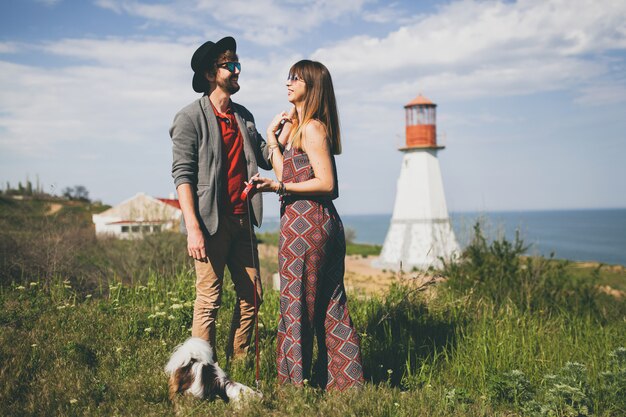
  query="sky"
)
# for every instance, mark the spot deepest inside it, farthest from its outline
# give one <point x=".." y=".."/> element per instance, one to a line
<point x="531" y="94"/>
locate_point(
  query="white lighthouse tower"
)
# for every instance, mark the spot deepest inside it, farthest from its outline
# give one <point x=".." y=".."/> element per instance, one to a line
<point x="420" y="231"/>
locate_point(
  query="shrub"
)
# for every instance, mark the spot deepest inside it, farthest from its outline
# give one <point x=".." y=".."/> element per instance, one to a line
<point x="38" y="246"/>
<point x="613" y="382"/>
<point x="511" y="387"/>
<point x="499" y="272"/>
<point x="568" y="392"/>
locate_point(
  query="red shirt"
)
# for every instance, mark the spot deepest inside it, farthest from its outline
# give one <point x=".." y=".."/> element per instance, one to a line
<point x="235" y="159"/>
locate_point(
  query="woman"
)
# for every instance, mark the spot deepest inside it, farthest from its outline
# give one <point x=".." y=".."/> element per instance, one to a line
<point x="312" y="243"/>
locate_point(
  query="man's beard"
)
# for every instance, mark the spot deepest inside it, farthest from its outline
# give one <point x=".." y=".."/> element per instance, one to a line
<point x="226" y="85"/>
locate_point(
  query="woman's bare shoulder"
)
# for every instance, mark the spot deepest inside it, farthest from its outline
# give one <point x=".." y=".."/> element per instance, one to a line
<point x="314" y="133"/>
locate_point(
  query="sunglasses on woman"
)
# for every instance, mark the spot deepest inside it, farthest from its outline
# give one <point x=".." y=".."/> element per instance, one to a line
<point x="294" y="78"/>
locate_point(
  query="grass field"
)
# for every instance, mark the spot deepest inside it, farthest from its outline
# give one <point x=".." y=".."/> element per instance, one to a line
<point x="505" y="335"/>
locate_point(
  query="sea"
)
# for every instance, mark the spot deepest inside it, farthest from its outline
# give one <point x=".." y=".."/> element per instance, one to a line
<point x="597" y="235"/>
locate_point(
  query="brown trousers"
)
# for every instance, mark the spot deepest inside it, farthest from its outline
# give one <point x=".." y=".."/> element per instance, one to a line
<point x="229" y="246"/>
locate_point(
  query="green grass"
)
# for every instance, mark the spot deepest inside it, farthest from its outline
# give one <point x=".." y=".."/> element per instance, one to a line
<point x="68" y="353"/>
<point x="363" y="249"/>
<point x="88" y="325"/>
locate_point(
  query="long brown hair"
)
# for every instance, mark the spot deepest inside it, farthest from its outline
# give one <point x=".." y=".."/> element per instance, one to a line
<point x="319" y="103"/>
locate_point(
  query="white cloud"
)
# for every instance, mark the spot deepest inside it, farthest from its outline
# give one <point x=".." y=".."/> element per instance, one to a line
<point x="8" y="47"/>
<point x="49" y="3"/>
<point x="117" y="96"/>
<point x="472" y="49"/>
<point x="265" y="22"/>
<point x="113" y="96"/>
<point x="179" y="14"/>
<point x="115" y="91"/>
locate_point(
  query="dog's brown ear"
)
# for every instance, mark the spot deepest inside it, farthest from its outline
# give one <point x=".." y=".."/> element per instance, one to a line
<point x="213" y="385"/>
<point x="180" y="381"/>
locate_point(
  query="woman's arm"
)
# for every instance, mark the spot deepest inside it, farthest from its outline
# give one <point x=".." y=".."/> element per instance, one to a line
<point x="274" y="143"/>
<point x="286" y="129"/>
<point x="317" y="147"/>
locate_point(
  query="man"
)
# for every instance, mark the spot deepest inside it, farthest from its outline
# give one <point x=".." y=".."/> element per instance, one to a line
<point x="216" y="148"/>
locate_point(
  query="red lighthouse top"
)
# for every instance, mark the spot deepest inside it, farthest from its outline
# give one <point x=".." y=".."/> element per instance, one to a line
<point x="421" y="126"/>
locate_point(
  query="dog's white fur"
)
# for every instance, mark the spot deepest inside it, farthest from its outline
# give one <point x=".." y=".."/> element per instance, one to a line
<point x="198" y="353"/>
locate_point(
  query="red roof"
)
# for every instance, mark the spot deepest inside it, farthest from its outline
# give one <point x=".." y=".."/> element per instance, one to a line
<point x="420" y="100"/>
<point x="139" y="222"/>
<point x="170" y="202"/>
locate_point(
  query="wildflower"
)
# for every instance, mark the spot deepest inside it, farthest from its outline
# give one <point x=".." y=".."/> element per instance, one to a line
<point x="305" y="382"/>
<point x="171" y="317"/>
<point x="261" y="325"/>
<point x="396" y="404"/>
<point x="176" y="306"/>
<point x="33" y="284"/>
<point x="151" y="316"/>
<point x="118" y="349"/>
<point x="159" y="313"/>
<point x="88" y="296"/>
<point x="174" y="298"/>
<point x="33" y="345"/>
<point x="389" y="371"/>
<point x="73" y="401"/>
<point x="147" y="329"/>
<point x="61" y="307"/>
<point x="21" y="288"/>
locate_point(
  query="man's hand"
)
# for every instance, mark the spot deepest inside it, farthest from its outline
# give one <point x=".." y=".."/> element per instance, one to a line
<point x="195" y="245"/>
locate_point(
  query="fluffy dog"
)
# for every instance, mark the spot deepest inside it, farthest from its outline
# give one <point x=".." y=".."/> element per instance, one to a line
<point x="192" y="371"/>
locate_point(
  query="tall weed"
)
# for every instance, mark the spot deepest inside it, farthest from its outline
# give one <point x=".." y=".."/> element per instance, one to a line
<point x="497" y="271"/>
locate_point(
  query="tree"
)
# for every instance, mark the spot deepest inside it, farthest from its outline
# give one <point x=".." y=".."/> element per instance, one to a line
<point x="68" y="192"/>
<point x="81" y="193"/>
<point x="78" y="192"/>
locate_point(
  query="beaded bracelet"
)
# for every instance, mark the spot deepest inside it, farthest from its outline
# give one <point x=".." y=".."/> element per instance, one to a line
<point x="281" y="189"/>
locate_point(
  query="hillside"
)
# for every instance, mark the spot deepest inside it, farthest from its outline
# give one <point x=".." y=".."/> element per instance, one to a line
<point x="88" y="325"/>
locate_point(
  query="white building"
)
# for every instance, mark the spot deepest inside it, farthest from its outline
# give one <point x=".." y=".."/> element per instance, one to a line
<point x="420" y="232"/>
<point x="138" y="215"/>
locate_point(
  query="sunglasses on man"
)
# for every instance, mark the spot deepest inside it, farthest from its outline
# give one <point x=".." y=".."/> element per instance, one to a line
<point x="230" y="66"/>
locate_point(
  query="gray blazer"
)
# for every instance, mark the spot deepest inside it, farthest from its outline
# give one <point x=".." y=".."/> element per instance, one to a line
<point x="197" y="158"/>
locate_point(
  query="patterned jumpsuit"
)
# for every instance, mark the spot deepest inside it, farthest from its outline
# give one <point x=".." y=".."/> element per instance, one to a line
<point x="313" y="299"/>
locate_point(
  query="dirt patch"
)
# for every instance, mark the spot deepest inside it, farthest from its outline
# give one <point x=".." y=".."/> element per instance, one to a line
<point x="617" y="294"/>
<point x="53" y="208"/>
<point x="366" y="279"/>
<point x="360" y="277"/>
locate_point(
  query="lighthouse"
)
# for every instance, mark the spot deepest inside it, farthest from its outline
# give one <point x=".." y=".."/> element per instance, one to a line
<point x="420" y="232"/>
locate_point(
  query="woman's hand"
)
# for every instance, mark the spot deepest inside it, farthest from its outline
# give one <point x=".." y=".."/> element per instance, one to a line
<point x="274" y="125"/>
<point x="265" y="185"/>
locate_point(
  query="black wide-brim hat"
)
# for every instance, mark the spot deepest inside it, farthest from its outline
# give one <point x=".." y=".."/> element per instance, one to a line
<point x="203" y="56"/>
